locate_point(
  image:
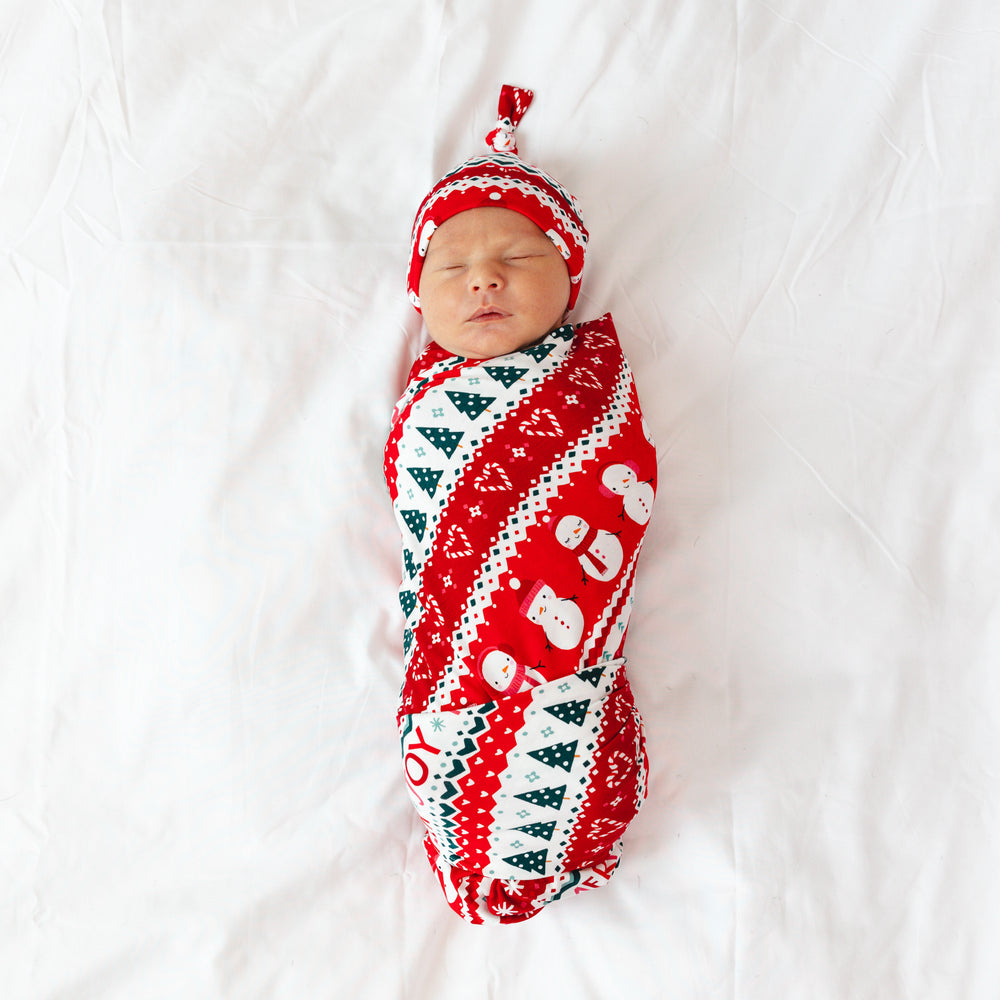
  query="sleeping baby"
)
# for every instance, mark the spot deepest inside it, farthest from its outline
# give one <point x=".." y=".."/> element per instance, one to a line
<point x="522" y="478"/>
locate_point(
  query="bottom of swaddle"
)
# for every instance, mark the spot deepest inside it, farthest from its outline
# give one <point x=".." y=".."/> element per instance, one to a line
<point x="526" y="798"/>
<point x="541" y="784"/>
<point x="480" y="899"/>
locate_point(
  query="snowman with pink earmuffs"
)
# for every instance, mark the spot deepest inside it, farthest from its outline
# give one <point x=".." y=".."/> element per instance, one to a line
<point x="622" y="479"/>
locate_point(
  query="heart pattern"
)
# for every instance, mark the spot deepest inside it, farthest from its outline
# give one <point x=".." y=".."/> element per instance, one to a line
<point x="493" y="478"/>
<point x="435" y="619"/>
<point x="456" y="543"/>
<point x="542" y="423"/>
<point x="586" y="379"/>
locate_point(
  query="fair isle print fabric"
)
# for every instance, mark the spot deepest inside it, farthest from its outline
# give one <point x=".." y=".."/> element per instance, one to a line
<point x="522" y="486"/>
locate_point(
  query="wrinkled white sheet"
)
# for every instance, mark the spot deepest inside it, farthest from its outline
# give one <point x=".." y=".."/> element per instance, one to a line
<point x="204" y="215"/>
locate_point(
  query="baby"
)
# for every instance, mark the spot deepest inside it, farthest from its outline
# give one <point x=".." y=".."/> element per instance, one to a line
<point x="522" y="476"/>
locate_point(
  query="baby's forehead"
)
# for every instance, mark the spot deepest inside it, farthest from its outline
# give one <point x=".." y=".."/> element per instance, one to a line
<point x="488" y="223"/>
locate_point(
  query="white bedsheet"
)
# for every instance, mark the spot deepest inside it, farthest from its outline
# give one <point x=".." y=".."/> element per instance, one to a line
<point x="204" y="218"/>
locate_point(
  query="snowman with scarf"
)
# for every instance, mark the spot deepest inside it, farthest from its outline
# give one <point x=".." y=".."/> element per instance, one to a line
<point x="599" y="552"/>
<point x="559" y="617"/>
<point x="498" y="668"/>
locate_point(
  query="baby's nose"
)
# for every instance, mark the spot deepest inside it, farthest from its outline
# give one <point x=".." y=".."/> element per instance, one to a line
<point x="483" y="278"/>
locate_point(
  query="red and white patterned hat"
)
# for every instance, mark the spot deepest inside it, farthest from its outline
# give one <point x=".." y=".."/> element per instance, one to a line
<point x="501" y="179"/>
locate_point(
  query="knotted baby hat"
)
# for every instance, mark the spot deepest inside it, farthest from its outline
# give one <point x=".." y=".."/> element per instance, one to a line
<point x="501" y="179"/>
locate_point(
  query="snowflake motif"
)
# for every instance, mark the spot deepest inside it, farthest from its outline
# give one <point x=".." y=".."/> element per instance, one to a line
<point x="437" y="412"/>
<point x="437" y="725"/>
<point x="475" y="512"/>
<point x="420" y="452"/>
<point x="513" y="886"/>
<point x="518" y="452"/>
<point x="447" y="581"/>
<point x="504" y="910"/>
<point x="572" y="399"/>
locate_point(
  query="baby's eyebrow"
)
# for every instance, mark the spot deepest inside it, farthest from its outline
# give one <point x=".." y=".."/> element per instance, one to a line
<point x="439" y="250"/>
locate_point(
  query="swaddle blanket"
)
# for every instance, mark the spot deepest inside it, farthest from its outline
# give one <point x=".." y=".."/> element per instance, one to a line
<point x="522" y="486"/>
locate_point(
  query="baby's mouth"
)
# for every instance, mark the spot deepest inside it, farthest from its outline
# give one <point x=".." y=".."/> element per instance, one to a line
<point x="488" y="314"/>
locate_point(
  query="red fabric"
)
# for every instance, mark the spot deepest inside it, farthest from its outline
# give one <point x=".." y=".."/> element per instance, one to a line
<point x="515" y="484"/>
<point x="510" y="110"/>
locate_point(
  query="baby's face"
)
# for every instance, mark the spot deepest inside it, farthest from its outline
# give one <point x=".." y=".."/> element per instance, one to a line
<point x="492" y="283"/>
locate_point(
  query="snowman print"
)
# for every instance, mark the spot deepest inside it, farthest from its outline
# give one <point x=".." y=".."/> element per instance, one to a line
<point x="559" y="617"/>
<point x="622" y="479"/>
<point x="498" y="669"/>
<point x="502" y="137"/>
<point x="599" y="552"/>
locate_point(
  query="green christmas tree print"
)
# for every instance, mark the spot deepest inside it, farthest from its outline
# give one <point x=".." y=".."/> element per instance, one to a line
<point x="592" y="675"/>
<point x="469" y="403"/>
<point x="542" y="830"/>
<point x="407" y="601"/>
<point x="540" y="351"/>
<point x="530" y="861"/>
<point x="551" y="798"/>
<point x="442" y="438"/>
<point x="572" y="712"/>
<point x="426" y="479"/>
<point x="408" y="562"/>
<point x="415" y="521"/>
<point x="506" y="375"/>
<point x="557" y="755"/>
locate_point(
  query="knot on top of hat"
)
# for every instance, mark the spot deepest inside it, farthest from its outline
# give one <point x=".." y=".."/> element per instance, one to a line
<point x="513" y="103"/>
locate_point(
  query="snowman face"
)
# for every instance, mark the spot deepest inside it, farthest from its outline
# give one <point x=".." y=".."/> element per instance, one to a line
<point x="425" y="236"/>
<point x="570" y="530"/>
<point x="619" y="479"/>
<point x="498" y="669"/>
<point x="540" y="605"/>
